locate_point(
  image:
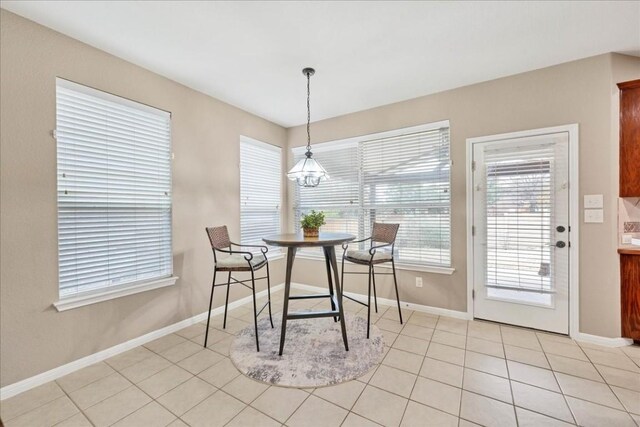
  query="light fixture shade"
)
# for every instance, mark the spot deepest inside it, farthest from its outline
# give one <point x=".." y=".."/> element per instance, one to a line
<point x="307" y="172"/>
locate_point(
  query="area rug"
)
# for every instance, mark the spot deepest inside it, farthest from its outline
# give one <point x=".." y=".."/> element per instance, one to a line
<point x="314" y="354"/>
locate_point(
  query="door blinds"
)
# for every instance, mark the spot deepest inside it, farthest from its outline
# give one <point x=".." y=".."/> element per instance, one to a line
<point x="402" y="179"/>
<point x="260" y="189"/>
<point x="114" y="190"/>
<point x="519" y="209"/>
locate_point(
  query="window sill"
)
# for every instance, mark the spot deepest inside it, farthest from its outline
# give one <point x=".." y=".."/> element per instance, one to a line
<point x="408" y="267"/>
<point x="101" y="295"/>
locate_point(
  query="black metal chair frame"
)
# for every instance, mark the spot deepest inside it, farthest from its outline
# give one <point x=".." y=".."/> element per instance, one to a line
<point x="248" y="256"/>
<point x="372" y="274"/>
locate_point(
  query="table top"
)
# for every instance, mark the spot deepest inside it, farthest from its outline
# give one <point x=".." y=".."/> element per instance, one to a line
<point x="298" y="240"/>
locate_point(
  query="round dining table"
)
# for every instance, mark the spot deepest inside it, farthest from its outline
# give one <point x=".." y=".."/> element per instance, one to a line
<point x="328" y="241"/>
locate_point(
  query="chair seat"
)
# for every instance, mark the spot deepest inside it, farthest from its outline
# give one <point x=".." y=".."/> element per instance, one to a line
<point x="364" y="257"/>
<point x="239" y="262"/>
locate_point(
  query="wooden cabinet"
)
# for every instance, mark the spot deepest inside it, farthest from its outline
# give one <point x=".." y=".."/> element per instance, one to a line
<point x="630" y="293"/>
<point x="630" y="138"/>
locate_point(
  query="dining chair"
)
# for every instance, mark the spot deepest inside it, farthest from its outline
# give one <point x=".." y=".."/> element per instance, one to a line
<point x="383" y="238"/>
<point x="240" y="261"/>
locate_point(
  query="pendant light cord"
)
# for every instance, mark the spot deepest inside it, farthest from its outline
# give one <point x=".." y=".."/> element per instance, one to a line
<point x="308" y="112"/>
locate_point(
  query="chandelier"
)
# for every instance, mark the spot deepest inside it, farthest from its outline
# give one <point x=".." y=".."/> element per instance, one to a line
<point x="308" y="172"/>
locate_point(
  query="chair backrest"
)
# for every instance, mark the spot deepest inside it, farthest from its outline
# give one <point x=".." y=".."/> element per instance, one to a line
<point x="219" y="237"/>
<point x="384" y="233"/>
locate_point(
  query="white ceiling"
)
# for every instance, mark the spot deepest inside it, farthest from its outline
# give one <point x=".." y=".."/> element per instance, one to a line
<point x="250" y="54"/>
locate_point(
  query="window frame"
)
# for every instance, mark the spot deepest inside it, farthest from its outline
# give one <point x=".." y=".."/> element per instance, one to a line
<point x="401" y="265"/>
<point x="104" y="293"/>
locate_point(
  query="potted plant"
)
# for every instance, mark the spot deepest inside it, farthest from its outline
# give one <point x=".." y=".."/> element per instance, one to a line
<point x="311" y="223"/>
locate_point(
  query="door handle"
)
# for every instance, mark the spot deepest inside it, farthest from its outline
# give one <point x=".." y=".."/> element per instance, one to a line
<point x="559" y="244"/>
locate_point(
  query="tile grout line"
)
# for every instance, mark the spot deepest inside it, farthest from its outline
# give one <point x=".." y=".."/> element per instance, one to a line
<point x="247" y="405"/>
<point x="297" y="407"/>
<point x="172" y="364"/>
<point x="564" y="397"/>
<point x="83" y="411"/>
<point x="80" y="411"/>
<point x="464" y="361"/>
<point x="513" y="399"/>
<point x="530" y="385"/>
<point x="192" y="376"/>
<point x="378" y="388"/>
<point x="373" y="374"/>
<point x="162" y="370"/>
<point x="545" y="389"/>
<point x="375" y="369"/>
<point x="609" y="386"/>
<point x="404" y="412"/>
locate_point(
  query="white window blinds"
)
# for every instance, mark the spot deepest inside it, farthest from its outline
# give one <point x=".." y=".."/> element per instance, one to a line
<point x="339" y="196"/>
<point x="260" y="190"/>
<point x="398" y="177"/>
<point x="519" y="185"/>
<point x="114" y="190"/>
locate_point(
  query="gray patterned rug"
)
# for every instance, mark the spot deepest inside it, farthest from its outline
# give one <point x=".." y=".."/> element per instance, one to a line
<point x="314" y="354"/>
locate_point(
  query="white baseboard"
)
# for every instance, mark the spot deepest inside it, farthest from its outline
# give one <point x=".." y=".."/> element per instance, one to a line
<point x="391" y="302"/>
<point x="603" y="341"/>
<point x="55" y="373"/>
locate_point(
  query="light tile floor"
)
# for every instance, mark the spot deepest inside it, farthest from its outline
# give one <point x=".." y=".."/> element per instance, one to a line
<point x="436" y="371"/>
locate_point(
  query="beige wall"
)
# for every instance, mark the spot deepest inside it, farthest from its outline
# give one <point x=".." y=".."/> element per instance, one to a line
<point x="575" y="92"/>
<point x="35" y="337"/>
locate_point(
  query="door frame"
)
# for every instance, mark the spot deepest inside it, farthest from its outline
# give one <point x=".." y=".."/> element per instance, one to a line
<point x="574" y="214"/>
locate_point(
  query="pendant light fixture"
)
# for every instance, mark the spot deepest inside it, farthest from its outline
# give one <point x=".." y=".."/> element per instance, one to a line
<point x="307" y="172"/>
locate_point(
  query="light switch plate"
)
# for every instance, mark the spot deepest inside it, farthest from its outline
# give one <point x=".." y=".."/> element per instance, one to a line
<point x="593" y="201"/>
<point x="594" y="215"/>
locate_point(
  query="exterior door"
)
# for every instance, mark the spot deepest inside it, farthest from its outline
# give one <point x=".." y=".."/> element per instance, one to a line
<point x="521" y="228"/>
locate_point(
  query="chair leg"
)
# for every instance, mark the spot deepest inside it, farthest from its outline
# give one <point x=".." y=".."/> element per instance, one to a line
<point x="269" y="294"/>
<point x="342" y="281"/>
<point x="375" y="296"/>
<point x="213" y="286"/>
<point x="369" y="305"/>
<point x="226" y="302"/>
<point x="255" y="308"/>
<point x="395" y="282"/>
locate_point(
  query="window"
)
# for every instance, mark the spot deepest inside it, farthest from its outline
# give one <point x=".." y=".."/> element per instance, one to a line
<point x="260" y="189"/>
<point x="400" y="177"/>
<point x="114" y="191"/>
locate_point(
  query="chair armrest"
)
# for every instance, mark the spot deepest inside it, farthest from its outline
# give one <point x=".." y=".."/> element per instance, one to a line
<point x="264" y="249"/>
<point x="245" y="253"/>
<point x="346" y="244"/>
<point x="373" y="249"/>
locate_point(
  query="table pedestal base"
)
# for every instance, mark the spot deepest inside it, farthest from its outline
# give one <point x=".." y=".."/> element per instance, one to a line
<point x="336" y="299"/>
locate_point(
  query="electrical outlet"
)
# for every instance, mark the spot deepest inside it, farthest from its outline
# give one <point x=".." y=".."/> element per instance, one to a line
<point x="626" y="239"/>
<point x="418" y="282"/>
